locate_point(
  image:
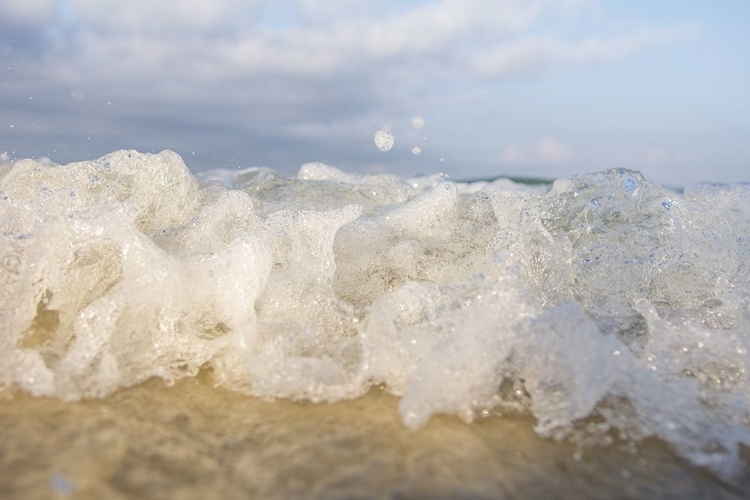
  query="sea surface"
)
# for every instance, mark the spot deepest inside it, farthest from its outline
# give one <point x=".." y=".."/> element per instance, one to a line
<point x="337" y="335"/>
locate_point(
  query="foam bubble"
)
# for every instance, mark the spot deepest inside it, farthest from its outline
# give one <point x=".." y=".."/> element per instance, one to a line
<point x="383" y="139"/>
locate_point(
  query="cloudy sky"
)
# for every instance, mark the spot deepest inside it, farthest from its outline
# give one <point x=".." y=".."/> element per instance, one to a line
<point x="533" y="88"/>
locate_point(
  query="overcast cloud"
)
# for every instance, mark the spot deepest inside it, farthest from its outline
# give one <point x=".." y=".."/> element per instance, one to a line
<point x="231" y="84"/>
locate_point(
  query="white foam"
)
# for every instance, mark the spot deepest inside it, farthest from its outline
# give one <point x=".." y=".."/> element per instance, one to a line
<point x="604" y="302"/>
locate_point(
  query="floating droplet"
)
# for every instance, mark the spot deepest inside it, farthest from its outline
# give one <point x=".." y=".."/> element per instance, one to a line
<point x="383" y="139"/>
<point x="416" y="150"/>
<point x="417" y="122"/>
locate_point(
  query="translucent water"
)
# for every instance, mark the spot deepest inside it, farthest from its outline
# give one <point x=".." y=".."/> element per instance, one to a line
<point x="196" y="441"/>
<point x="600" y="304"/>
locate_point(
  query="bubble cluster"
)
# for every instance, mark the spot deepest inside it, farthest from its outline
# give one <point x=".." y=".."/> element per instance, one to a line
<point x="384" y="139"/>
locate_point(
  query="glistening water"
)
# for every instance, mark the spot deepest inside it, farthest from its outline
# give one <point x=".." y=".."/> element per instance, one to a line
<point x="340" y="335"/>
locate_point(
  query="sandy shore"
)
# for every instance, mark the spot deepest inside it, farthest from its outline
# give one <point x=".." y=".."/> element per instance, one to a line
<point x="196" y="441"/>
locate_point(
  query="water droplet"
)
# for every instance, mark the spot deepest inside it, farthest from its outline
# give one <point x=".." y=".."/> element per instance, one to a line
<point x="416" y="150"/>
<point x="417" y="122"/>
<point x="383" y="140"/>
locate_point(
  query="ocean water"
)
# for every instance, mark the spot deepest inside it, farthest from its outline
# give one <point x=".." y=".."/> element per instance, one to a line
<point x="597" y="316"/>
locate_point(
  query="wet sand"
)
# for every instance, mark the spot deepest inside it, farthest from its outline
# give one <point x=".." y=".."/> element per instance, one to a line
<point x="197" y="441"/>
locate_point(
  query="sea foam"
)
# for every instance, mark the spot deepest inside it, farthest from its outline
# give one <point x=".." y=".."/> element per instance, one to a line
<point x="604" y="305"/>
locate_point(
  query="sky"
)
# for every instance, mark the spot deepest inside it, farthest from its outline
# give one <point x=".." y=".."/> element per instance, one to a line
<point x="535" y="88"/>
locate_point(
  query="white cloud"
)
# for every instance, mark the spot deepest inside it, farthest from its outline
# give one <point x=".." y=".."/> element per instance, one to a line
<point x="535" y="53"/>
<point x="448" y="25"/>
<point x="157" y="18"/>
<point x="229" y="37"/>
<point x="551" y="150"/>
<point x="142" y="40"/>
<point x="27" y="11"/>
<point x="513" y="155"/>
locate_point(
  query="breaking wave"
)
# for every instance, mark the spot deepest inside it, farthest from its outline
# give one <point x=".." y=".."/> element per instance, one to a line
<point x="604" y="305"/>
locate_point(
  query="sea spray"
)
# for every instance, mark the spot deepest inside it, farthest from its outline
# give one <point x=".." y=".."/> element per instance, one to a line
<point x="600" y="303"/>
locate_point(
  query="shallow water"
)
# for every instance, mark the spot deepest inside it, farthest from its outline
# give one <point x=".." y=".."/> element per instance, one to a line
<point x="603" y="311"/>
<point x="197" y="441"/>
